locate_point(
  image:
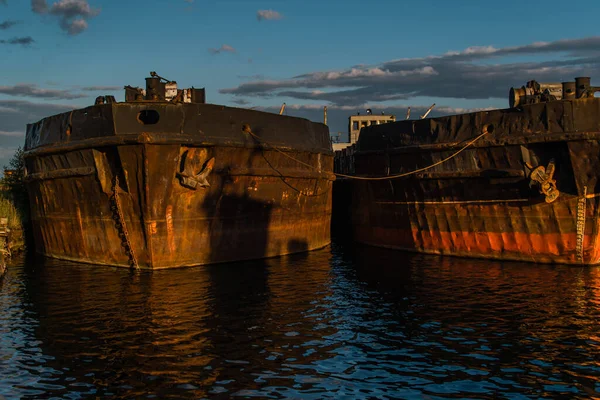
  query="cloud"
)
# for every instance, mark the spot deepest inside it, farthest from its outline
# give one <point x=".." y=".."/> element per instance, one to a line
<point x="223" y="49"/>
<point x="20" y="134"/>
<point x="16" y="114"/>
<point x="101" y="88"/>
<point x="256" y="77"/>
<point x="4" y="109"/>
<point x="32" y="90"/>
<point x="75" y="26"/>
<point x="8" y="24"/>
<point x="268" y="15"/>
<point x="72" y="14"/>
<point x="240" y="102"/>
<point x="479" y="72"/>
<point x="23" y="41"/>
<point x="39" y="6"/>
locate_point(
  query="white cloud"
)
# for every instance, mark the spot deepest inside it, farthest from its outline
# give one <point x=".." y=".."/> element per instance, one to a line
<point x="72" y="14"/>
<point x="455" y="74"/>
<point x="268" y="15"/>
<point x="223" y="49"/>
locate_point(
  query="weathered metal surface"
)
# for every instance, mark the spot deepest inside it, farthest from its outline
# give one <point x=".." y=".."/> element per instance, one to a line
<point x="528" y="190"/>
<point x="192" y="188"/>
<point x="61" y="173"/>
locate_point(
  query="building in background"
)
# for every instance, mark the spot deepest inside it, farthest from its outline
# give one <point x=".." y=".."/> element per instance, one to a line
<point x="357" y="122"/>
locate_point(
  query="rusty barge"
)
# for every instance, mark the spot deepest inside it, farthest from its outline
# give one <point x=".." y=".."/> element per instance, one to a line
<point x="512" y="184"/>
<point x="166" y="180"/>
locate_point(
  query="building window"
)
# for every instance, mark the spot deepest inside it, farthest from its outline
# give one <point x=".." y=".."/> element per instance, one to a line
<point x="355" y="125"/>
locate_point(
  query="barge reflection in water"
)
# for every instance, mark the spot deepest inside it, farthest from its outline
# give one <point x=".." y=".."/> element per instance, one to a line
<point x="357" y="322"/>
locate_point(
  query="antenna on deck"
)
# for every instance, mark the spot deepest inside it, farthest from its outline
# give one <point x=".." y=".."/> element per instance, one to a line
<point x="428" y="111"/>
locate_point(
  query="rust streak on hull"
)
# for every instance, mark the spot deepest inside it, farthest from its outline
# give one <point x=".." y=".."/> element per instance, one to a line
<point x="238" y="217"/>
<point x="526" y="191"/>
<point x="191" y="187"/>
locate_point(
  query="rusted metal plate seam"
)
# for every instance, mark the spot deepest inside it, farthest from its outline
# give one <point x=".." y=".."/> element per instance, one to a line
<point x="60" y="173"/>
<point x="471" y="174"/>
<point x="277" y="172"/>
<point x="516" y="140"/>
<point x="455" y="202"/>
<point x="155" y="139"/>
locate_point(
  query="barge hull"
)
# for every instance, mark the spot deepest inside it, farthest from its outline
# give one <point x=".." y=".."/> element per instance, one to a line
<point x="558" y="233"/>
<point x="483" y="200"/>
<point x="154" y="199"/>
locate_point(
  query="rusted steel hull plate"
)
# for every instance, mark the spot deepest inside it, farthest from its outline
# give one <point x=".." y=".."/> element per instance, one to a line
<point x="173" y="195"/>
<point x="528" y="190"/>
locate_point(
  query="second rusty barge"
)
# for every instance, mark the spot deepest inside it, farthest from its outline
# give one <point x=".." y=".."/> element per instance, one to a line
<point x="513" y="184"/>
<point x="165" y="180"/>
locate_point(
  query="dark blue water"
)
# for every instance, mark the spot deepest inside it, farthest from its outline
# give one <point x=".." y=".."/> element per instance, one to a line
<point x="343" y="322"/>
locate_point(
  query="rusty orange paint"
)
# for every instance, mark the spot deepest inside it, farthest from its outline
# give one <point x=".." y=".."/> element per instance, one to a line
<point x="482" y="200"/>
<point x="211" y="218"/>
<point x="515" y="245"/>
<point x="170" y="234"/>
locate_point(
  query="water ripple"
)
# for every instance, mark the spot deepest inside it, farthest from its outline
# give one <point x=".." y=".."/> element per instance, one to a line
<point x="343" y="322"/>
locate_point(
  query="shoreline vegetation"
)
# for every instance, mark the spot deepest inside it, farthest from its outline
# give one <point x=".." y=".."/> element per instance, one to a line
<point x="14" y="209"/>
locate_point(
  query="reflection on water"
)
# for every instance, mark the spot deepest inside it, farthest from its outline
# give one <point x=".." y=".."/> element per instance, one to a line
<point x="343" y="322"/>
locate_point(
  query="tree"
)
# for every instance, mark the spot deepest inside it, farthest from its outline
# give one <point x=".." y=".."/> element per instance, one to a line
<point x="17" y="165"/>
<point x="15" y="184"/>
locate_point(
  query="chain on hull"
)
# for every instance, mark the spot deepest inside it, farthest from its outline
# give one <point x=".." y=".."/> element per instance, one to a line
<point x="120" y="224"/>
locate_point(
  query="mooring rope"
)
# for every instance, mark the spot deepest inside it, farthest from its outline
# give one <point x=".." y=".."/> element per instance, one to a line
<point x="247" y="130"/>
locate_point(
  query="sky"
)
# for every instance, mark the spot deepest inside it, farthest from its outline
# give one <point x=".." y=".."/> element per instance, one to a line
<point x="462" y="55"/>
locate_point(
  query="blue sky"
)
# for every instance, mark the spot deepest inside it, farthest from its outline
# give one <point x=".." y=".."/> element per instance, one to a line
<point x="48" y="56"/>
